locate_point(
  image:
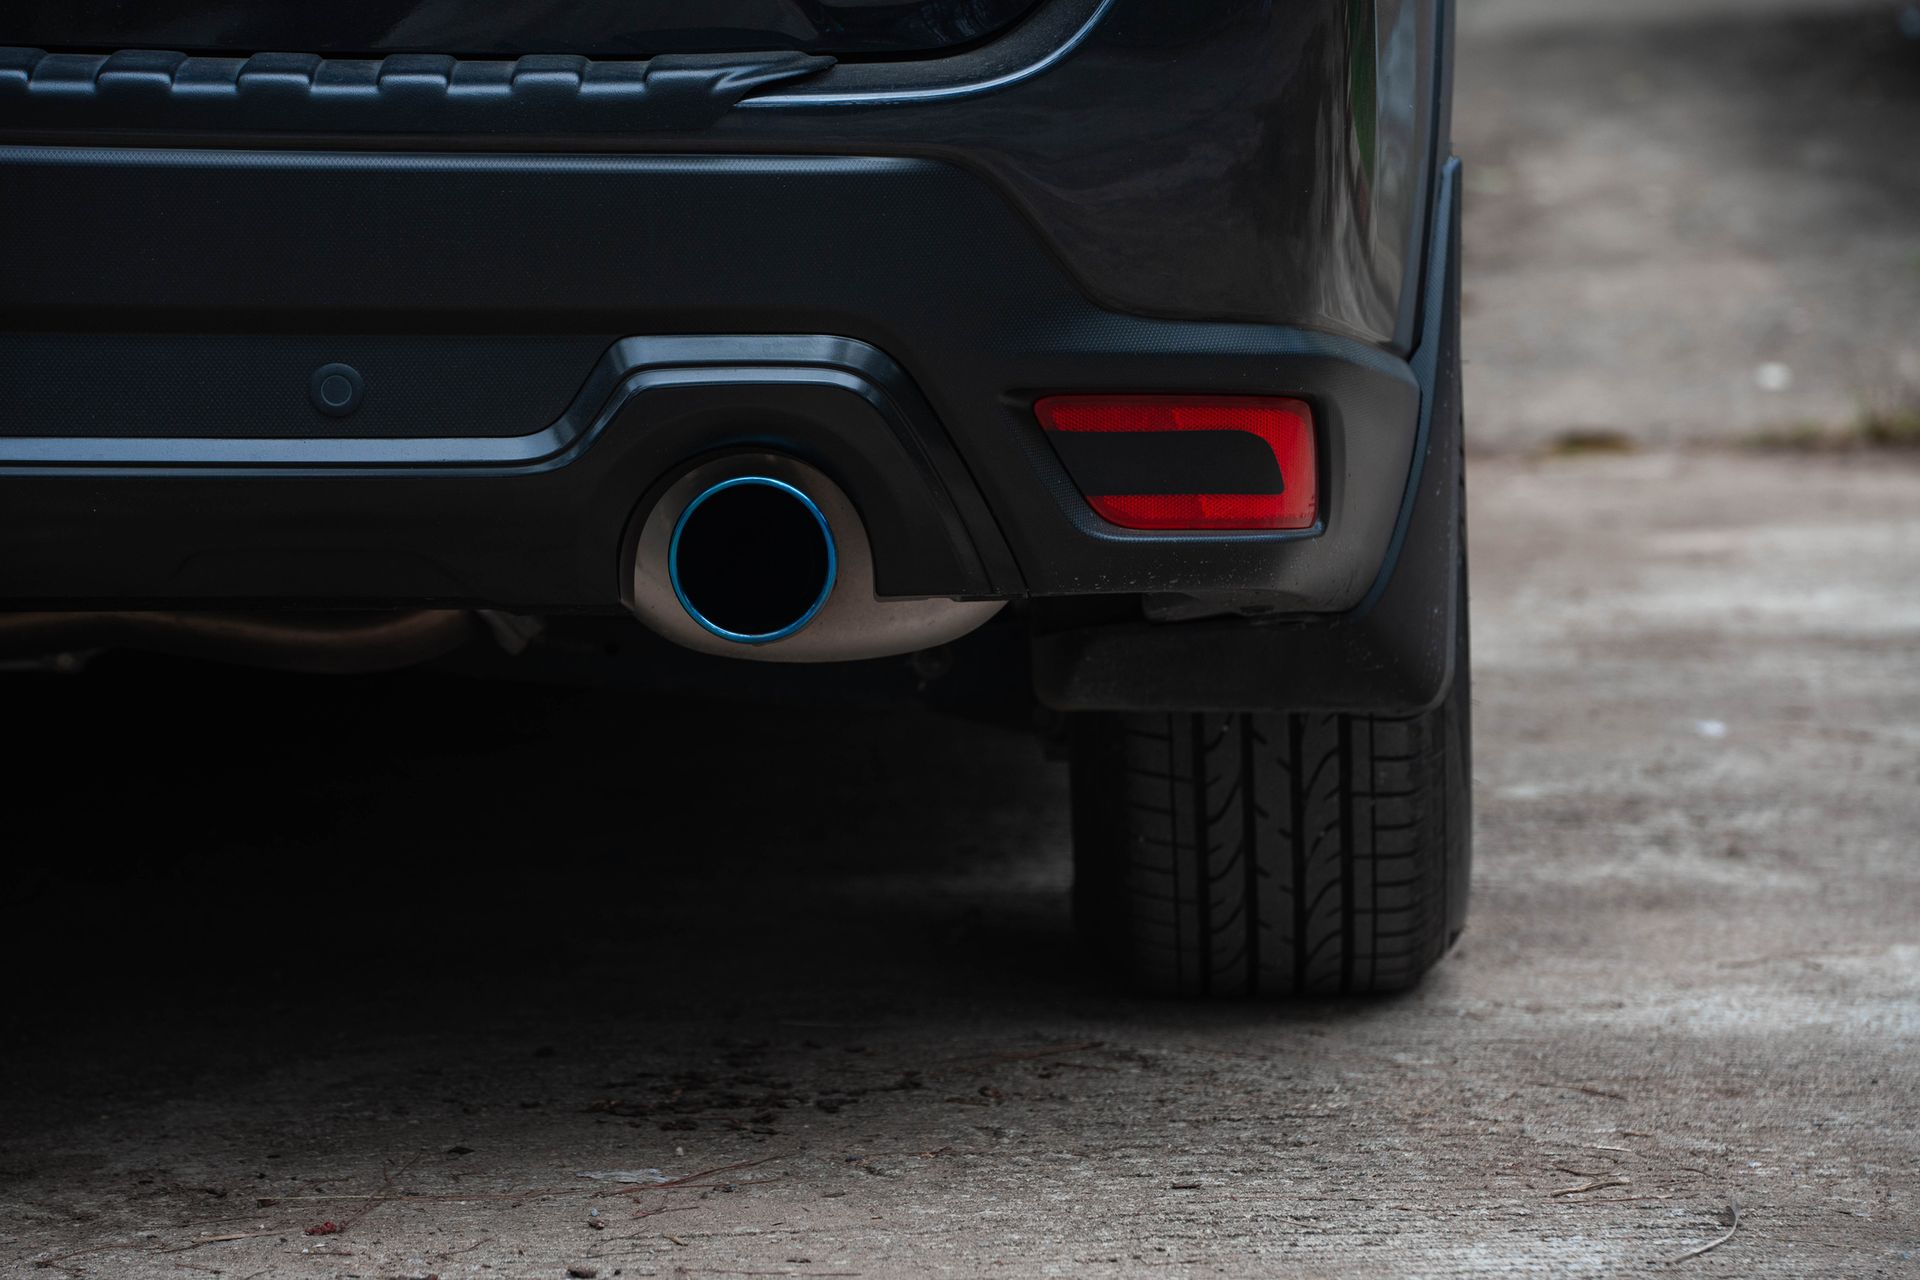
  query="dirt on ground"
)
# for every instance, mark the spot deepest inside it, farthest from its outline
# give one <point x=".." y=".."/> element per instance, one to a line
<point x="435" y="977"/>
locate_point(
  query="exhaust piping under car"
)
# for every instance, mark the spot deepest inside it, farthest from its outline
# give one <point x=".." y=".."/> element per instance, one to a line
<point x="750" y="555"/>
<point x="762" y="556"/>
<point x="337" y="643"/>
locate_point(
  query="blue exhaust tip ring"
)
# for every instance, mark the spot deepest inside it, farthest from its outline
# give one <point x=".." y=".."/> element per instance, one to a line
<point x="826" y="586"/>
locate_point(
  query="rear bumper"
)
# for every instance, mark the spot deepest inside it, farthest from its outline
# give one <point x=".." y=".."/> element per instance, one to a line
<point x="161" y="445"/>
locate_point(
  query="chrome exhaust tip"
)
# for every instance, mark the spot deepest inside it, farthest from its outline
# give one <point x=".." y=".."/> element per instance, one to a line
<point x="759" y="555"/>
<point x="752" y="559"/>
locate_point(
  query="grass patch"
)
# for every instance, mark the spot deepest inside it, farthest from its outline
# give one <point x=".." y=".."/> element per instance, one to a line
<point x="1587" y="441"/>
<point x="1891" y="430"/>
<point x="1899" y="429"/>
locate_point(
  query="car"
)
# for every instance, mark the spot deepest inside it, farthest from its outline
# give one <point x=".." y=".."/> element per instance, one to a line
<point x="1106" y="351"/>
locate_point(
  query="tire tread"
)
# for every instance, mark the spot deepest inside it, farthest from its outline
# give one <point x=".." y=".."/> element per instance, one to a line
<point x="1296" y="854"/>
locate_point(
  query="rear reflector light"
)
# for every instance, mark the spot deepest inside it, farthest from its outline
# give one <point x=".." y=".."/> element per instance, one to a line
<point x="1189" y="462"/>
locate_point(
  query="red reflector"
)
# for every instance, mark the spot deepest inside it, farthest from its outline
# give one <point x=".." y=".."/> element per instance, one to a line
<point x="1222" y="491"/>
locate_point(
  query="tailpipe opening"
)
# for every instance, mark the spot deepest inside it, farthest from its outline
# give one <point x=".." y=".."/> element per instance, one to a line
<point x="752" y="559"/>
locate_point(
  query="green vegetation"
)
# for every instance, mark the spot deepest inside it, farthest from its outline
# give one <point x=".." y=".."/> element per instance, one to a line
<point x="1873" y="429"/>
<point x="1586" y="441"/>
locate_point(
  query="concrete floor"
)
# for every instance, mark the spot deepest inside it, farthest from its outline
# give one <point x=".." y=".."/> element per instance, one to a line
<point x="495" y="939"/>
<point x="437" y="948"/>
<point x="1688" y="219"/>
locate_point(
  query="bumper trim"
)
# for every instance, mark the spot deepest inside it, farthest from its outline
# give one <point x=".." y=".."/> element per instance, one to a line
<point x="631" y="367"/>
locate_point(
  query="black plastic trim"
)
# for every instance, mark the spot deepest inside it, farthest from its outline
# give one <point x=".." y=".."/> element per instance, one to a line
<point x="629" y="368"/>
<point x="439" y="93"/>
<point x="540" y="529"/>
<point x="405" y="92"/>
<point x="67" y="385"/>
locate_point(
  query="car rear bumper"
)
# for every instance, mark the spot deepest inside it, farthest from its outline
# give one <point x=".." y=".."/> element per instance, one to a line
<point x="545" y="339"/>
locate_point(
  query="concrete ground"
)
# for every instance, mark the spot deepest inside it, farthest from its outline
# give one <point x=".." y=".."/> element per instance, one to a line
<point x="1689" y="219"/>
<point x="452" y="948"/>
<point x="498" y="980"/>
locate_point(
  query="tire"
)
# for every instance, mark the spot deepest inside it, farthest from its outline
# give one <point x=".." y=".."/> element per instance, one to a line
<point x="1260" y="854"/>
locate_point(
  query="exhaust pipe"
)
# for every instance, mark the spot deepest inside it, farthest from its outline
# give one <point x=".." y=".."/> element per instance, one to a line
<point x="320" y="643"/>
<point x="752" y="559"/>
<point x="762" y="556"/>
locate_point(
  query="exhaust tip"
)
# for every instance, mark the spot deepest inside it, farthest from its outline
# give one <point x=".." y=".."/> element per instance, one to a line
<point x="752" y="559"/>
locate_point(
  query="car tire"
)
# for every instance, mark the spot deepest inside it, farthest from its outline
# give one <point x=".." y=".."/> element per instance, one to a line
<point x="1273" y="855"/>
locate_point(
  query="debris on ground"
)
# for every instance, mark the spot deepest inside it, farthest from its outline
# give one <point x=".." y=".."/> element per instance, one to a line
<point x="1730" y="1219"/>
<point x="647" y="1177"/>
<point x="1597" y="1184"/>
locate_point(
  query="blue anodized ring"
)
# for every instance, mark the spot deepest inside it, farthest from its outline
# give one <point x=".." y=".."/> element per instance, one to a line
<point x="819" y="601"/>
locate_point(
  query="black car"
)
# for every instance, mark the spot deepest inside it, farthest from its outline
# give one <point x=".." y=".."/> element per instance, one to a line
<point x="1120" y="336"/>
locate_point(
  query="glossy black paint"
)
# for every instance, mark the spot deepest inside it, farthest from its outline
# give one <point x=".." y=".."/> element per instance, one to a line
<point x="1210" y="159"/>
<point x="598" y="28"/>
